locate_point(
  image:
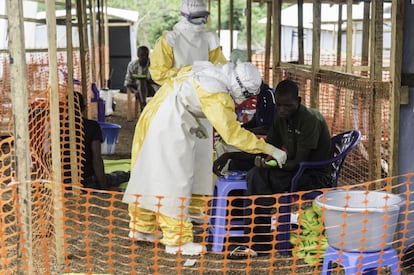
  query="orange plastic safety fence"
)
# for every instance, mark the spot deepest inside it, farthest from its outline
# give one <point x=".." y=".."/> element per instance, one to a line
<point x="96" y="227"/>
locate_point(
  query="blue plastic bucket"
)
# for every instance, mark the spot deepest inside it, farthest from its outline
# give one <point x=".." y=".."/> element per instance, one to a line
<point x="110" y="133"/>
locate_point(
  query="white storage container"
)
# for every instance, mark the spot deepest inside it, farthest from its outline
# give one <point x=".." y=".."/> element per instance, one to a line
<point x="359" y="220"/>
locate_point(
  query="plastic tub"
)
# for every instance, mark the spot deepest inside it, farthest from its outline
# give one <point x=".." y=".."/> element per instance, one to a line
<point x="110" y="133"/>
<point x="360" y="220"/>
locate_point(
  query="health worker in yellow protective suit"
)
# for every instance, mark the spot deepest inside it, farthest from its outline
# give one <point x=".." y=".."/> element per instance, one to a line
<point x="189" y="41"/>
<point x="165" y="169"/>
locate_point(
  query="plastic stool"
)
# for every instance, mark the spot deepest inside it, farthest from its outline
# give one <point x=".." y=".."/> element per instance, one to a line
<point x="219" y="227"/>
<point x="368" y="261"/>
<point x="218" y="224"/>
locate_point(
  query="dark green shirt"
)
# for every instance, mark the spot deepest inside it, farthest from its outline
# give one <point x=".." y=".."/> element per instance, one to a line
<point x="306" y="128"/>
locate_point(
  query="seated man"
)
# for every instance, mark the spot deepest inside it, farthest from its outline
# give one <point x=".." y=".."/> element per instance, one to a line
<point x="304" y="135"/>
<point x="138" y="77"/>
<point x="92" y="168"/>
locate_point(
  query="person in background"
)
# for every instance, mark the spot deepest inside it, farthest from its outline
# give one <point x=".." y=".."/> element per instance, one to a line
<point x="265" y="111"/>
<point x="259" y="124"/>
<point x="189" y="41"/>
<point x="304" y="135"/>
<point x="92" y="167"/>
<point x="164" y="150"/>
<point x="138" y="77"/>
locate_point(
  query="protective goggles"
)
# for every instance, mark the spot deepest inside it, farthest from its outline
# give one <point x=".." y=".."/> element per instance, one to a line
<point x="197" y="18"/>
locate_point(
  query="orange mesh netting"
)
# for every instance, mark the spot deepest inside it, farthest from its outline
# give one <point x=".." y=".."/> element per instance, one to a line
<point x="95" y="224"/>
<point x="96" y="235"/>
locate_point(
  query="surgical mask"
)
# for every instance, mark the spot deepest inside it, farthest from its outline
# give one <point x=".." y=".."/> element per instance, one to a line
<point x="242" y="97"/>
<point x="198" y="20"/>
<point x="192" y="28"/>
<point x="239" y="100"/>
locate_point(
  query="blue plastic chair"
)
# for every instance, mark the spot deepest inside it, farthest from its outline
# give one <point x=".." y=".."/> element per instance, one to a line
<point x="221" y="226"/>
<point x="341" y="145"/>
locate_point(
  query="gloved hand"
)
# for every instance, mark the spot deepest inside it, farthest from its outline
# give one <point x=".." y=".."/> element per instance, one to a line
<point x="219" y="164"/>
<point x="199" y="132"/>
<point x="278" y="155"/>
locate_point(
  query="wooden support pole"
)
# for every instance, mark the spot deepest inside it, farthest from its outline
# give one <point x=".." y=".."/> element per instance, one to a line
<point x="18" y="88"/>
<point x="101" y="42"/>
<point x="301" y="51"/>
<point x="231" y="25"/>
<point x="106" y="46"/>
<point x="209" y="10"/>
<point x="277" y="23"/>
<point x="339" y="37"/>
<point x="349" y="33"/>
<point x="94" y="40"/>
<point x="218" y="17"/>
<point x="397" y="22"/>
<point x="249" y="30"/>
<point x="55" y="129"/>
<point x="268" y="42"/>
<point x="83" y="46"/>
<point x="365" y="37"/>
<point x="71" y="107"/>
<point x="375" y="108"/>
<point x="338" y="60"/>
<point x="316" y="54"/>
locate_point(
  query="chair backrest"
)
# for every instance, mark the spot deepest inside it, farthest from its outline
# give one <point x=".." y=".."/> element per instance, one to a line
<point x="100" y="102"/>
<point x="341" y="145"/>
<point x="95" y="91"/>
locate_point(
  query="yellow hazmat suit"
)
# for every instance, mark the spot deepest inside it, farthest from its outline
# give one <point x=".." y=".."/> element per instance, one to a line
<point x="182" y="46"/>
<point x="164" y="145"/>
<point x="186" y="43"/>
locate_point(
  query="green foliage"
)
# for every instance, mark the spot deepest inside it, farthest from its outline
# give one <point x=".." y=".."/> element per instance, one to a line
<point x="258" y="29"/>
<point x="156" y="16"/>
<point x="239" y="22"/>
<point x="156" y="22"/>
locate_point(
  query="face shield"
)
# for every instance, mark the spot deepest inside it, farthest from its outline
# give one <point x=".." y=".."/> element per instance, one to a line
<point x="196" y="18"/>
